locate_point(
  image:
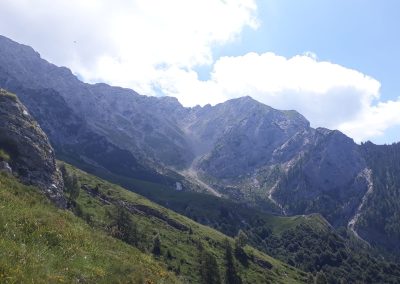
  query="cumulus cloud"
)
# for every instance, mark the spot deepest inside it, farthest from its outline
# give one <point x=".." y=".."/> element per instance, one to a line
<point x="373" y="121"/>
<point x="155" y="46"/>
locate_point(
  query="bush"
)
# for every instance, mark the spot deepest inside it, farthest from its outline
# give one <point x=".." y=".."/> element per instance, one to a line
<point x="71" y="183"/>
<point x="124" y="228"/>
<point x="8" y="95"/>
<point x="208" y="266"/>
<point x="156" y="250"/>
<point x="4" y="156"/>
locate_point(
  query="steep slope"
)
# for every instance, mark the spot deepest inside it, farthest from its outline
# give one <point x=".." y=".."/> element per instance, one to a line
<point x="327" y="179"/>
<point x="379" y="217"/>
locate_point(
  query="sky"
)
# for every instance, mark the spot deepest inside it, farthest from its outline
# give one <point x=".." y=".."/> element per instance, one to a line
<point x="335" y="61"/>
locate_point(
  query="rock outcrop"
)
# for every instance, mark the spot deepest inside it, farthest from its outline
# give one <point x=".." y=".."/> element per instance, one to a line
<point x="31" y="157"/>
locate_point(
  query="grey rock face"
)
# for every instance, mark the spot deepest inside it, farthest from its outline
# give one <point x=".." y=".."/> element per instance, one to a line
<point x="327" y="178"/>
<point x="5" y="167"/>
<point x="31" y="156"/>
<point x="247" y="138"/>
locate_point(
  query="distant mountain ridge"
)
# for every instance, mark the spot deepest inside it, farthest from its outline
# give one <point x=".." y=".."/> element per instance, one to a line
<point x="242" y="149"/>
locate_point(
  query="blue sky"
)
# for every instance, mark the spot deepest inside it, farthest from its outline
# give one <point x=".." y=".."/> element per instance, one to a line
<point x="336" y="62"/>
<point x="358" y="34"/>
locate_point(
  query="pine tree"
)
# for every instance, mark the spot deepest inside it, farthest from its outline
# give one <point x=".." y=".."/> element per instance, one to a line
<point x="71" y="183"/>
<point x="240" y="241"/>
<point x="125" y="228"/>
<point x="231" y="276"/>
<point x="320" y="278"/>
<point x="310" y="279"/>
<point x="209" y="272"/>
<point x="156" y="250"/>
<point x="74" y="190"/>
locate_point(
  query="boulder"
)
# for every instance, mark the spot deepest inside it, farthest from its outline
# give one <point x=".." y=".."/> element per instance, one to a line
<point x="32" y="158"/>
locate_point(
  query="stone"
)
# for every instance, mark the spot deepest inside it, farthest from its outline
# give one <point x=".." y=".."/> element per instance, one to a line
<point x="5" y="167"/>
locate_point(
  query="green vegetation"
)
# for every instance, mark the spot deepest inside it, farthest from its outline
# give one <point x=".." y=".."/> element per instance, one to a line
<point x="156" y="250"/>
<point x="320" y="250"/>
<point x="208" y="267"/>
<point x="4" y="156"/>
<point x="4" y="93"/>
<point x="380" y="218"/>
<point x="124" y="228"/>
<point x="42" y="244"/>
<point x="71" y="184"/>
<point x="231" y="275"/>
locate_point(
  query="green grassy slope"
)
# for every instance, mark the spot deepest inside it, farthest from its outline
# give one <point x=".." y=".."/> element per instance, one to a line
<point x="42" y="244"/>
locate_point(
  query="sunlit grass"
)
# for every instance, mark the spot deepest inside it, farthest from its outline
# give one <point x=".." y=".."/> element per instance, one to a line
<point x="42" y="244"/>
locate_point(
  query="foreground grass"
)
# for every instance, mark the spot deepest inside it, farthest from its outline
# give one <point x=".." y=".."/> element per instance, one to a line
<point x="42" y="244"/>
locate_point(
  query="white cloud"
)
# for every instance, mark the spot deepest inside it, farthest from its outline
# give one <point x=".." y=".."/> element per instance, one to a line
<point x="373" y="121"/>
<point x="125" y="42"/>
<point x="154" y="46"/>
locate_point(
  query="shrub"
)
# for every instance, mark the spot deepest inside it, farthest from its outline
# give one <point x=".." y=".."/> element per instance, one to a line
<point x="156" y="250"/>
<point x="124" y="228"/>
<point x="71" y="183"/>
<point x="4" y="156"/>
<point x="8" y="95"/>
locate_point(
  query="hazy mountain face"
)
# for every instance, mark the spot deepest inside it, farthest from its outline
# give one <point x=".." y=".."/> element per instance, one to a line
<point x="241" y="148"/>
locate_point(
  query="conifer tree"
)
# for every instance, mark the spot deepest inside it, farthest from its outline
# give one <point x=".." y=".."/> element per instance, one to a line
<point x="156" y="250"/>
<point x="125" y="228"/>
<point x="231" y="275"/>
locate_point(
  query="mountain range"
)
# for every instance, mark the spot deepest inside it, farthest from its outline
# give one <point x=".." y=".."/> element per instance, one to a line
<point x="243" y="151"/>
